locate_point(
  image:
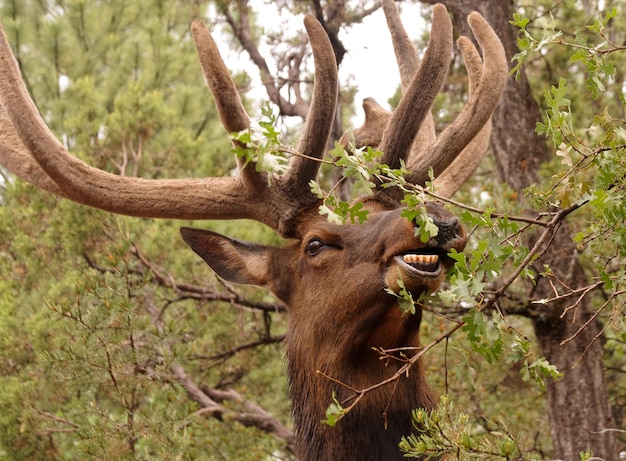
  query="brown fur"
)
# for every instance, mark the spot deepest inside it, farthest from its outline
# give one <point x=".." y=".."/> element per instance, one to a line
<point x="338" y="312"/>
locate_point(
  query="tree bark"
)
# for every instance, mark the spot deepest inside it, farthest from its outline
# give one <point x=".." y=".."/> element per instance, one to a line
<point x="578" y="402"/>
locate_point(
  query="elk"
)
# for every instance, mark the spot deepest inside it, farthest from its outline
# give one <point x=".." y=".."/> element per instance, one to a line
<point x="331" y="277"/>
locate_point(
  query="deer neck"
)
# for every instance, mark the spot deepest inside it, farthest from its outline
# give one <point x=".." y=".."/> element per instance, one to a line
<point x="318" y="371"/>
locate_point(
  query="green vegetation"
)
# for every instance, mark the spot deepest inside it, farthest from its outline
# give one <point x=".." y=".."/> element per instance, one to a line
<point x="106" y="322"/>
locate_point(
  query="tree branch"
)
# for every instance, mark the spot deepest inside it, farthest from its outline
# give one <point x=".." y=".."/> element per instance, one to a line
<point x="251" y="415"/>
<point x="539" y="249"/>
<point x="242" y="31"/>
<point x="199" y="292"/>
<point x="242" y="347"/>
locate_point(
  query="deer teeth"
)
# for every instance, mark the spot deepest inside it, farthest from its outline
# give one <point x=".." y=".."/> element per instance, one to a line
<point x="421" y="259"/>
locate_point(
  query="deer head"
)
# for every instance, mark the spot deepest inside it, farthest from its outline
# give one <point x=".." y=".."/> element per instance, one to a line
<point x="332" y="277"/>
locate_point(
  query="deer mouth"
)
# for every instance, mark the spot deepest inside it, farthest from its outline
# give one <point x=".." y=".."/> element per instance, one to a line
<point x="426" y="264"/>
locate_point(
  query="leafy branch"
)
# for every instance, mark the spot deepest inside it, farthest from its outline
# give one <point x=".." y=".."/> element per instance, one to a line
<point x="444" y="430"/>
<point x="470" y="323"/>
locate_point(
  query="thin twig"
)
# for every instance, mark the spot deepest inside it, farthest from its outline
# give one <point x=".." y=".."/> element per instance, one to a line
<point x="242" y="347"/>
<point x="558" y="298"/>
<point x="538" y="250"/>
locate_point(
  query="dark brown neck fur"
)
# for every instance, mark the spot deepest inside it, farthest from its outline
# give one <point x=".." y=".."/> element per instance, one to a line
<point x="373" y="428"/>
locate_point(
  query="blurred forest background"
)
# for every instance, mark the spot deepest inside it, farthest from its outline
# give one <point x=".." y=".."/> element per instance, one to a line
<point x="117" y="342"/>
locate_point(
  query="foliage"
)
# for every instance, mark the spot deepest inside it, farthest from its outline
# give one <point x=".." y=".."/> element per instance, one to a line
<point x="334" y="412"/>
<point x="88" y="374"/>
<point x="584" y="187"/>
<point x="91" y="326"/>
<point x="589" y="171"/>
<point x="445" y="431"/>
<point x="264" y="149"/>
<point x="93" y="329"/>
<point x="362" y="168"/>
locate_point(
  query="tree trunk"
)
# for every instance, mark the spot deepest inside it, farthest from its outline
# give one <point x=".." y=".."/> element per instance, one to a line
<point x="578" y="403"/>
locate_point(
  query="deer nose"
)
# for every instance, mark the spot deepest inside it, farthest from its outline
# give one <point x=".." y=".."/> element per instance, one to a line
<point x="450" y="230"/>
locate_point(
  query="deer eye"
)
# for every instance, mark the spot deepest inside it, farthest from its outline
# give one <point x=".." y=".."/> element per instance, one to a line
<point x="314" y="246"/>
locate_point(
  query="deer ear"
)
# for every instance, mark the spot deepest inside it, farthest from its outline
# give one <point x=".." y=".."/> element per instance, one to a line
<point x="234" y="260"/>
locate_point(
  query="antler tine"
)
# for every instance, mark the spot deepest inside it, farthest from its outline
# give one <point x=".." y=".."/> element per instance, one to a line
<point x="417" y="101"/>
<point x="471" y="157"/>
<point x="232" y="114"/>
<point x="314" y="138"/>
<point x="376" y="118"/>
<point x="406" y="54"/>
<point x="477" y="111"/>
<point x="371" y="132"/>
<point x="408" y="63"/>
<point x="316" y="132"/>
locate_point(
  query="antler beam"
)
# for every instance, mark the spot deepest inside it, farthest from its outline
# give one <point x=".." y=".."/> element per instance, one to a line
<point x="29" y="150"/>
<point x="417" y="101"/>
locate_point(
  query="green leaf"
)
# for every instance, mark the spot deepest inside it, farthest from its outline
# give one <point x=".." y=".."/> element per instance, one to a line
<point x="405" y="299"/>
<point x="519" y="21"/>
<point x="334" y="412"/>
<point x="485" y="340"/>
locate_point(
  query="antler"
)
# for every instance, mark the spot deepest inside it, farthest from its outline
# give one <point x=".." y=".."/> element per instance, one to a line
<point x="482" y="102"/>
<point x="460" y="148"/>
<point x="29" y="150"/>
<point x="416" y="102"/>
